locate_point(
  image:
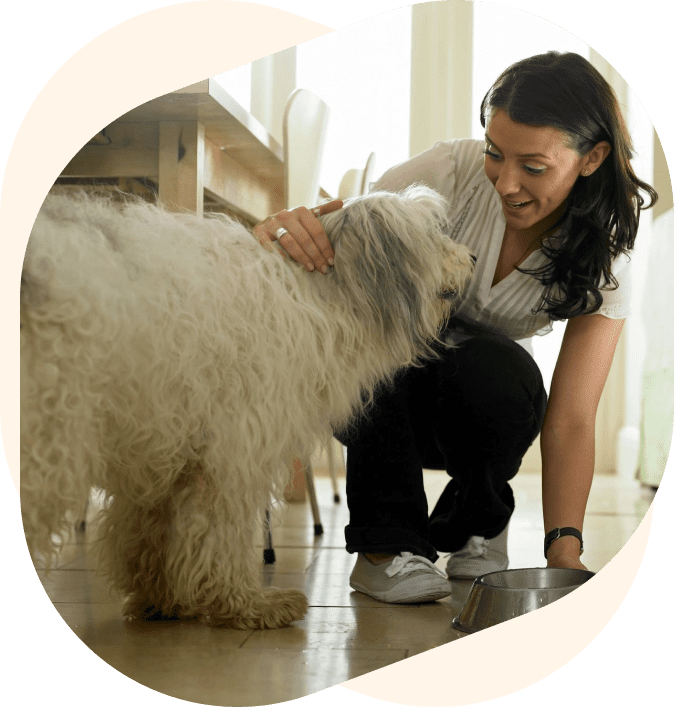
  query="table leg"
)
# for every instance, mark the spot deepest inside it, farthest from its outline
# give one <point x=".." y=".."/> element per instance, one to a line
<point x="181" y="166"/>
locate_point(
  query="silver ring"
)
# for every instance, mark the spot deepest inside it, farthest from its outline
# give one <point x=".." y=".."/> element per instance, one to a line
<point x="280" y="232"/>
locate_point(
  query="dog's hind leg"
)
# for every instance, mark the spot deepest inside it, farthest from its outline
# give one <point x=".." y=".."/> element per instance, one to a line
<point x="132" y="541"/>
<point x="60" y="435"/>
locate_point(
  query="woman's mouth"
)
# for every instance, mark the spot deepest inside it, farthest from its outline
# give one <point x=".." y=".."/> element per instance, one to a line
<point x="516" y="204"/>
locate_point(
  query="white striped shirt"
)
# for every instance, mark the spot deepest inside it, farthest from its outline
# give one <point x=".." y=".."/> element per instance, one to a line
<point x="456" y="170"/>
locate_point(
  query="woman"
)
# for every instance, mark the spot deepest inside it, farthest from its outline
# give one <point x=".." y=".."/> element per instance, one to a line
<point x="549" y="205"/>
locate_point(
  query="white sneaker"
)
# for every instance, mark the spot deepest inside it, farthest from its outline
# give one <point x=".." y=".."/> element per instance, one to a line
<point x="479" y="556"/>
<point x="405" y="579"/>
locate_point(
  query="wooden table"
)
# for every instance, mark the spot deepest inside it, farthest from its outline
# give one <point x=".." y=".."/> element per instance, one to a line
<point x="198" y="146"/>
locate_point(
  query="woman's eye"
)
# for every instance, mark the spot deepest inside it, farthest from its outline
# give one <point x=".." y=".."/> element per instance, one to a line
<point x="496" y="156"/>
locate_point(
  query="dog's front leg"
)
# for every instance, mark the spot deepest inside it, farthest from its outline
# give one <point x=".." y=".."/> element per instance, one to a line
<point x="211" y="569"/>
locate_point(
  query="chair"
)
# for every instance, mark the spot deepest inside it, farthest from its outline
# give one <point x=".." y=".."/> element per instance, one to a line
<point x="356" y="182"/>
<point x="305" y="124"/>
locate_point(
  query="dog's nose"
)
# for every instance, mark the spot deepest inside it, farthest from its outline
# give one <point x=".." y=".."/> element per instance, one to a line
<point x="447" y="294"/>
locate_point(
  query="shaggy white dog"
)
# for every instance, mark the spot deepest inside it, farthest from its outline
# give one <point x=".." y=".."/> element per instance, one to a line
<point x="176" y="364"/>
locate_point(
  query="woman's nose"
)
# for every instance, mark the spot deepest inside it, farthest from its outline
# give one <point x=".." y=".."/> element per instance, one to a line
<point x="507" y="181"/>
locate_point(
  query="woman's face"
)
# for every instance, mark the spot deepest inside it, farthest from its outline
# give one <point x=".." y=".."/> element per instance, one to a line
<point x="531" y="168"/>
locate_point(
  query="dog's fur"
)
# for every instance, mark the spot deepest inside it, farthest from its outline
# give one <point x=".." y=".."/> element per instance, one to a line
<point x="176" y="364"/>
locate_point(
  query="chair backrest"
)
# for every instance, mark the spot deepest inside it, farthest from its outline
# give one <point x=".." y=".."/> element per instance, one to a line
<point x="305" y="125"/>
<point x="356" y="182"/>
<point x="351" y="184"/>
<point x="368" y="173"/>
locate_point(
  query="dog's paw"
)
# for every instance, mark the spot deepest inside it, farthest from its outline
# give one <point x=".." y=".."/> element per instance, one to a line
<point x="143" y="609"/>
<point x="273" y="608"/>
<point x="283" y="606"/>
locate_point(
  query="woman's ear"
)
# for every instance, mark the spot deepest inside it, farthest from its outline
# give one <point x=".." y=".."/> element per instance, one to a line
<point x="593" y="159"/>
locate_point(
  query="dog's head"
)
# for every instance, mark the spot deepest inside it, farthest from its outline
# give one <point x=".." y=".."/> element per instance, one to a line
<point x="396" y="267"/>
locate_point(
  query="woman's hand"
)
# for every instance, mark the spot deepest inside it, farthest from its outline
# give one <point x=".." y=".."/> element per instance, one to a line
<point x="300" y="233"/>
<point x="565" y="552"/>
<point x="567" y="562"/>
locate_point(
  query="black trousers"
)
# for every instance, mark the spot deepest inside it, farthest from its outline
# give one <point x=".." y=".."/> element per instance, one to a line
<point x="474" y="412"/>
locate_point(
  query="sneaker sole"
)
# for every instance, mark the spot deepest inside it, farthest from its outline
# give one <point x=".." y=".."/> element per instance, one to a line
<point x="393" y="597"/>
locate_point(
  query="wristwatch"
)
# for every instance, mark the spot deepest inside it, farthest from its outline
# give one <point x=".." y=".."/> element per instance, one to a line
<point x="557" y="533"/>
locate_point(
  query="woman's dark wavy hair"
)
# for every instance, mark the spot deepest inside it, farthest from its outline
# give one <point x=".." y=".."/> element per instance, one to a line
<point x="564" y="91"/>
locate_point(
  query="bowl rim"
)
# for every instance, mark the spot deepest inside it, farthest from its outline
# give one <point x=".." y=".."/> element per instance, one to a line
<point x="479" y="580"/>
<point x="464" y="628"/>
<point x="459" y="625"/>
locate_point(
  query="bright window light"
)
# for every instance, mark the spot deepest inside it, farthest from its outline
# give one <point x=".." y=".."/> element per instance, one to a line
<point x="363" y="73"/>
<point x="237" y="83"/>
<point x="504" y="35"/>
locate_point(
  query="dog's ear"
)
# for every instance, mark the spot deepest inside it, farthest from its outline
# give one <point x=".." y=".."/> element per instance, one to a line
<point x="388" y="265"/>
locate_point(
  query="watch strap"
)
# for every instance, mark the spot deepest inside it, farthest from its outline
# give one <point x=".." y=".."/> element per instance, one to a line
<point x="557" y="533"/>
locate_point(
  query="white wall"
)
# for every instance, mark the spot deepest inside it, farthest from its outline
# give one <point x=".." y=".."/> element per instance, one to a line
<point x="237" y="83"/>
<point x="635" y="333"/>
<point x="504" y="35"/>
<point x="441" y="73"/>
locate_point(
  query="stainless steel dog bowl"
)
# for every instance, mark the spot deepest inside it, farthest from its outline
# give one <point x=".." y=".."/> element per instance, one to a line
<point x="500" y="596"/>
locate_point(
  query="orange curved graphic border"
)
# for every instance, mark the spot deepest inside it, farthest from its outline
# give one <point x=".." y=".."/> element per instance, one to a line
<point x="186" y="40"/>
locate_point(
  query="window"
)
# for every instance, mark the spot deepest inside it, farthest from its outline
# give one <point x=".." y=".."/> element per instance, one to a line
<point x="504" y="35"/>
<point x="237" y="83"/>
<point x="363" y="73"/>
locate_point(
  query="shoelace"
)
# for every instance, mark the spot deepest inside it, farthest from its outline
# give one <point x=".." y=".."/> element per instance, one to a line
<point x="475" y="547"/>
<point x="407" y="562"/>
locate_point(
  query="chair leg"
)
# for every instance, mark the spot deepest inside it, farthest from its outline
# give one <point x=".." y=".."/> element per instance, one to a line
<point x="333" y="464"/>
<point x="81" y="522"/>
<point x="311" y="490"/>
<point x="268" y="554"/>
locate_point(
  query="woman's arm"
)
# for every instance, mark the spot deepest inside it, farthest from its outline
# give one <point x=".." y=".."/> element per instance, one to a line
<point x="568" y="434"/>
